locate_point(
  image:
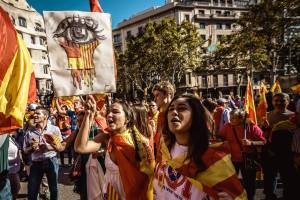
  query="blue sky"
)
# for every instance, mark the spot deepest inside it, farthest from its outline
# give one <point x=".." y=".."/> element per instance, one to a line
<point x="119" y="9"/>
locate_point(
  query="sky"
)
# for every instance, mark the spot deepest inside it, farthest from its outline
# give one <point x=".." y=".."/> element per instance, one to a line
<point x="119" y="9"/>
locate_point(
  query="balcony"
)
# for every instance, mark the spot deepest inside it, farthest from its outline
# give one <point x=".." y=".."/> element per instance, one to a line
<point x="201" y="16"/>
<point x="224" y="16"/>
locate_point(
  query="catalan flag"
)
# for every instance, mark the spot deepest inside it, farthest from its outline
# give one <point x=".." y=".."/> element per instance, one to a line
<point x="262" y="105"/>
<point x="217" y="175"/>
<point x="296" y="88"/>
<point x="15" y="76"/>
<point x="249" y="105"/>
<point x="276" y="87"/>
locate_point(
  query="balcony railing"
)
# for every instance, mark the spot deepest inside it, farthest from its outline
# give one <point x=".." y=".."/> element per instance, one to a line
<point x="201" y="16"/>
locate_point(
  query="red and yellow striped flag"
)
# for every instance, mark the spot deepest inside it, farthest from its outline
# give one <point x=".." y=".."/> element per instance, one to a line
<point x="15" y="76"/>
<point x="296" y="88"/>
<point x="262" y="105"/>
<point x="276" y="87"/>
<point x="249" y="103"/>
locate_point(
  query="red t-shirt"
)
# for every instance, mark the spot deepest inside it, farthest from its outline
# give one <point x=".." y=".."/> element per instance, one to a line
<point x="254" y="133"/>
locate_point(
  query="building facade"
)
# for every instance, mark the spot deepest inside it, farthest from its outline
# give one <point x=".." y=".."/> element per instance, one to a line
<point x="30" y="25"/>
<point x="213" y="18"/>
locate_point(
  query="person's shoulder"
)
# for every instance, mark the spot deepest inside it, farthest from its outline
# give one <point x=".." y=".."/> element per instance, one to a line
<point x="51" y="127"/>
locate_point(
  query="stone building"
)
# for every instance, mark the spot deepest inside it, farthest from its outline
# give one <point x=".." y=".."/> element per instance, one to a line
<point x="30" y="25"/>
<point x="214" y="19"/>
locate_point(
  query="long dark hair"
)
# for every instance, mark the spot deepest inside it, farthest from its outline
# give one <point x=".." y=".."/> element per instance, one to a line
<point x="141" y="119"/>
<point x="199" y="132"/>
<point x="129" y="114"/>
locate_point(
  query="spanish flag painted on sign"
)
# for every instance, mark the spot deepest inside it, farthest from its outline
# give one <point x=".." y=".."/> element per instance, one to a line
<point x="17" y="81"/>
<point x="249" y="105"/>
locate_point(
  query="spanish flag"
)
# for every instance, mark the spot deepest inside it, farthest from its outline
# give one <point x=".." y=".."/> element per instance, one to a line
<point x="249" y="103"/>
<point x="262" y="105"/>
<point x="276" y="87"/>
<point x="15" y="76"/>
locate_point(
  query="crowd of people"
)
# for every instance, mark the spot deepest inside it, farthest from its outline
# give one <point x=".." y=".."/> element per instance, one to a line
<point x="174" y="147"/>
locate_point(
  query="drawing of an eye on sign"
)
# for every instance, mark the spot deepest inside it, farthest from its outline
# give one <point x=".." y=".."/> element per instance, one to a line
<point x="80" y="50"/>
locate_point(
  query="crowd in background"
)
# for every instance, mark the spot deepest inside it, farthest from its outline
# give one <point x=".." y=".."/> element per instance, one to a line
<point x="167" y="148"/>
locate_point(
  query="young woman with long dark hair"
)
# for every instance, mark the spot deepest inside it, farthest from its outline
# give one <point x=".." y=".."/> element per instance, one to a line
<point x="187" y="166"/>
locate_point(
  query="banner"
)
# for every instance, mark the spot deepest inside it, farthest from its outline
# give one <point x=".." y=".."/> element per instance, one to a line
<point x="80" y="52"/>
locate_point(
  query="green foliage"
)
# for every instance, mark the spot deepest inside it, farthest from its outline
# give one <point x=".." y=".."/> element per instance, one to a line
<point x="260" y="42"/>
<point x="163" y="51"/>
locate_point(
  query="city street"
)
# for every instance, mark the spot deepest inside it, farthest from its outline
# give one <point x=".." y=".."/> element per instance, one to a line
<point x="66" y="188"/>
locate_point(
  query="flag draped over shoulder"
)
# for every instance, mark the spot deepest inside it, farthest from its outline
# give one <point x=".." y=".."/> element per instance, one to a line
<point x="262" y="105"/>
<point x="15" y="76"/>
<point x="136" y="175"/>
<point x="218" y="176"/>
<point x="276" y="87"/>
<point x="249" y="105"/>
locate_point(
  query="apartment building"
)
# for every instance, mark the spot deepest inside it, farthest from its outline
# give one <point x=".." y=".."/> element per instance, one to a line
<point x="213" y="18"/>
<point x="30" y="25"/>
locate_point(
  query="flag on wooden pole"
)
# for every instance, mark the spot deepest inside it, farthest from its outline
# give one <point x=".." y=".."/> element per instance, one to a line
<point x="249" y="103"/>
<point x="15" y="76"/>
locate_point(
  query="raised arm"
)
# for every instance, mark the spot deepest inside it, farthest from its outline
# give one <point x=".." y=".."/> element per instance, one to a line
<point x="60" y="111"/>
<point x="82" y="142"/>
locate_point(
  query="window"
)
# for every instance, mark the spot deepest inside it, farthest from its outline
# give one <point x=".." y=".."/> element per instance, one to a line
<point x="140" y="30"/>
<point x="42" y="41"/>
<point x="202" y="25"/>
<point x="225" y="79"/>
<point x="227" y="26"/>
<point x="203" y="37"/>
<point x="22" y="22"/>
<point x="44" y="55"/>
<point x="219" y="37"/>
<point x="45" y="69"/>
<point x="201" y="12"/>
<point x="32" y="39"/>
<point x="129" y="34"/>
<point x="218" y="12"/>
<point x="219" y="26"/>
<point x="204" y="81"/>
<point x="117" y="38"/>
<point x="215" y="80"/>
<point x="187" y="17"/>
<point x="227" y="13"/>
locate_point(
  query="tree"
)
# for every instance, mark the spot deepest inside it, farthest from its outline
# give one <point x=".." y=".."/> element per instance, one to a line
<point x="260" y="42"/>
<point x="164" y="50"/>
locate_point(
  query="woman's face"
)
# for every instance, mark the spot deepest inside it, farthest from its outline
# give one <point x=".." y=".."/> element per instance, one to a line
<point x="180" y="116"/>
<point x="116" y="118"/>
<point x="235" y="120"/>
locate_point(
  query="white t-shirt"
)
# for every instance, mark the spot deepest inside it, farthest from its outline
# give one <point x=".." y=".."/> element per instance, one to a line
<point x="171" y="185"/>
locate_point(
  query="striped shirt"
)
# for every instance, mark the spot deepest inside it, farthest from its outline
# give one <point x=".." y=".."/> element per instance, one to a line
<point x="33" y="134"/>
